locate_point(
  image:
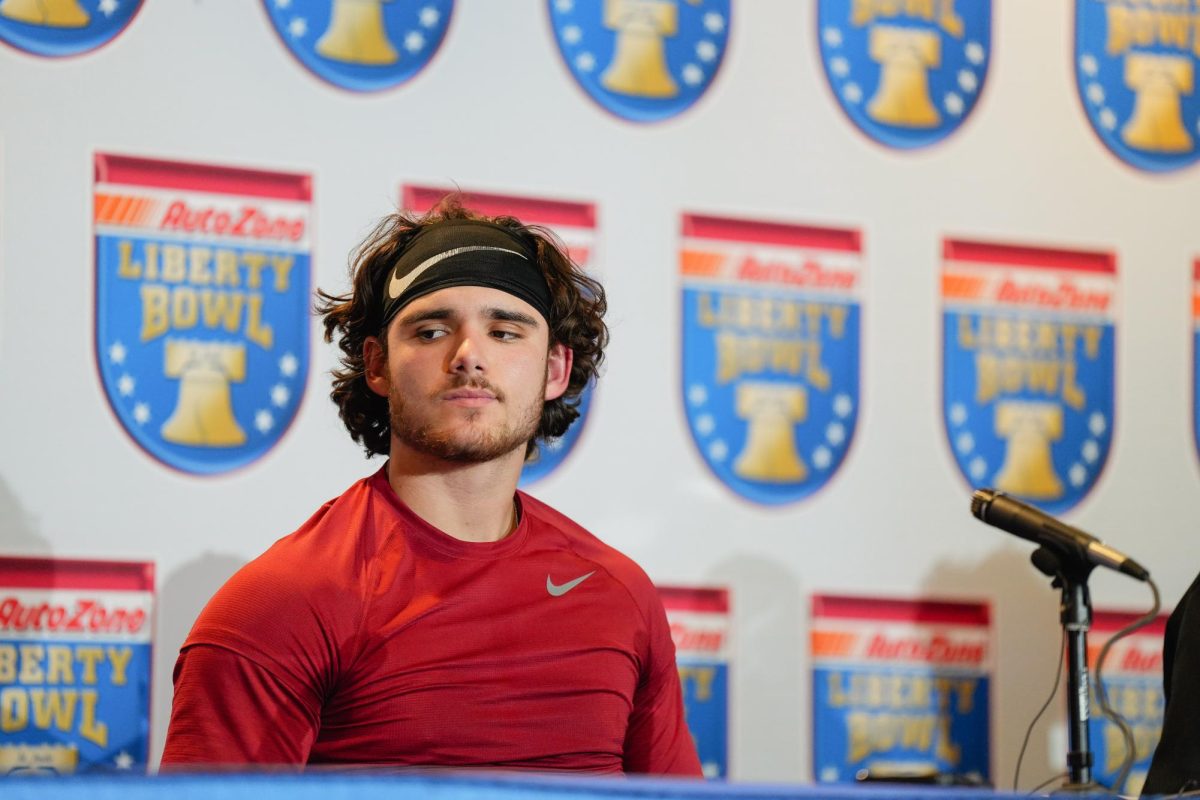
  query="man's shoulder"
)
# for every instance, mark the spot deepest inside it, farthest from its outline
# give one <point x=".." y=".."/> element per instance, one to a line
<point x="587" y="545"/>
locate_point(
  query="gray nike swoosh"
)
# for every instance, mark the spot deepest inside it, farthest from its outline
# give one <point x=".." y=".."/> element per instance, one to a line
<point x="397" y="285"/>
<point x="559" y="591"/>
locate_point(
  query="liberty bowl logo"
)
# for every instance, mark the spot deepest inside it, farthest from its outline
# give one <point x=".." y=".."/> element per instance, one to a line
<point x="202" y="319"/>
<point x="1028" y="359"/>
<point x="1135" y="70"/>
<point x="361" y="45"/>
<point x="907" y="74"/>
<point x="643" y="60"/>
<point x="56" y="28"/>
<point x="770" y="352"/>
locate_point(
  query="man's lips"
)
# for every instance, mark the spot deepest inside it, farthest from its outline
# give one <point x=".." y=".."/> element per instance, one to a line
<point x="469" y="397"/>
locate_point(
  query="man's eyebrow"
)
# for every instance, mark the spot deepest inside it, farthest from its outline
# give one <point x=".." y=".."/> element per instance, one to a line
<point x="424" y="316"/>
<point x="507" y="315"/>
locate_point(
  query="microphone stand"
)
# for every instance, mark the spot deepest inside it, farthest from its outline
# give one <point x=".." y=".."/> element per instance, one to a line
<point x="1070" y="574"/>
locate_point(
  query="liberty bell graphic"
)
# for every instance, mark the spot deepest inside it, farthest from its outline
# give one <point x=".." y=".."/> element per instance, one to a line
<point x="51" y="13"/>
<point x="1156" y="123"/>
<point x="203" y="414"/>
<point x="905" y="57"/>
<point x="356" y="35"/>
<point x="639" y="62"/>
<point x="771" y="411"/>
<point x="1029" y="427"/>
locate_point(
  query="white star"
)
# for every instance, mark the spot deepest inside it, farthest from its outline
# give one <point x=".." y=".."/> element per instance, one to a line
<point x="822" y="458"/>
<point x="829" y="774"/>
<point x="975" y="53"/>
<point x="572" y="34"/>
<point x="126" y="384"/>
<point x="1097" y="424"/>
<point x="977" y="468"/>
<point x="429" y="16"/>
<point x="298" y="27"/>
<point x="958" y="414"/>
<point x="705" y="424"/>
<point x="843" y="405"/>
<point x="835" y="434"/>
<point x="718" y="451"/>
<point x="280" y="395"/>
<point x="107" y="7"/>
<point x="1095" y="93"/>
<point x="832" y="37"/>
<point x="117" y="353"/>
<point x="714" y="22"/>
<point x="123" y="760"/>
<point x="264" y="420"/>
<point x="141" y="413"/>
<point x="839" y="66"/>
<point x="697" y="394"/>
<point x="1088" y="64"/>
<point x="283" y="3"/>
<point x="706" y="50"/>
<point x="954" y="103"/>
<point x="965" y="442"/>
<point x="692" y="75"/>
<point x="1091" y="451"/>
<point x="564" y="6"/>
<point x="967" y="80"/>
<point x="1077" y="475"/>
<point x="586" y="62"/>
<point x="852" y="93"/>
<point x="288" y="365"/>
<point x="414" y="41"/>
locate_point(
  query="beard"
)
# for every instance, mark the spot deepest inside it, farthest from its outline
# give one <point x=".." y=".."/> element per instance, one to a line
<point x="464" y="441"/>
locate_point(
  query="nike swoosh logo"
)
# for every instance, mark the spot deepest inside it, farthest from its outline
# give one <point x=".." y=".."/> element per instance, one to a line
<point x="559" y="591"/>
<point x="397" y="285"/>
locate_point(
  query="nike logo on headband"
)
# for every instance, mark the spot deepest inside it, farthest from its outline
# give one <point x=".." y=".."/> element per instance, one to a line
<point x="398" y="285"/>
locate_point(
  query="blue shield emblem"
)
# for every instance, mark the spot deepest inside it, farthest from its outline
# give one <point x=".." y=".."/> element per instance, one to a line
<point x="907" y="74"/>
<point x="643" y="60"/>
<point x="771" y="318"/>
<point x="56" y="28"/>
<point x="361" y="45"/>
<point x="202" y="306"/>
<point x="575" y="224"/>
<point x="1135" y="70"/>
<point x="1028" y="342"/>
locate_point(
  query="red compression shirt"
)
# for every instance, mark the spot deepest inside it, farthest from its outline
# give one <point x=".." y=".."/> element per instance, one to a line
<point x="371" y="637"/>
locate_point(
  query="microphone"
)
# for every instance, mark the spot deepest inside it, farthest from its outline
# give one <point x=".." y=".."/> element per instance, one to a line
<point x="1001" y="511"/>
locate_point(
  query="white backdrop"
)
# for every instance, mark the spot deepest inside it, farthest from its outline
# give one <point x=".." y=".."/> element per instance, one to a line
<point x="208" y="81"/>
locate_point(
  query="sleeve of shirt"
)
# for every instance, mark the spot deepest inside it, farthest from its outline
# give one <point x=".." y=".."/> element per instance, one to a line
<point x="657" y="740"/>
<point x="1176" y="763"/>
<point x="229" y="710"/>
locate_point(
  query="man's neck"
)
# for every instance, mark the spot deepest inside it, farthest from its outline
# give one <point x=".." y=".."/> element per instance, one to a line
<point x="471" y="502"/>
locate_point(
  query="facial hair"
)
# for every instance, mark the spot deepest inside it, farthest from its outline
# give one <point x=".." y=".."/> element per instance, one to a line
<point x="464" y="442"/>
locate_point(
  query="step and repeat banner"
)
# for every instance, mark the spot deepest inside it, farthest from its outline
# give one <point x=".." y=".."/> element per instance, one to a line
<point x="859" y="263"/>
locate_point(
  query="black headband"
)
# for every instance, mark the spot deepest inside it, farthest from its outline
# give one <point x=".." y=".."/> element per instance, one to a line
<point x="465" y="252"/>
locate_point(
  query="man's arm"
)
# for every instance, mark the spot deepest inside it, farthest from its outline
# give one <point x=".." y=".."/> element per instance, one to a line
<point x="229" y="710"/>
<point x="657" y="740"/>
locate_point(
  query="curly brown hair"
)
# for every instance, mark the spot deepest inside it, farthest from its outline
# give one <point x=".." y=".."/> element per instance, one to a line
<point x="577" y="321"/>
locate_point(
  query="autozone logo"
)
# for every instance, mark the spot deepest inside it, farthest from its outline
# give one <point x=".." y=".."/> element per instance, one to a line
<point x="79" y="615"/>
<point x="243" y="220"/>
<point x="689" y="638"/>
<point x="936" y="649"/>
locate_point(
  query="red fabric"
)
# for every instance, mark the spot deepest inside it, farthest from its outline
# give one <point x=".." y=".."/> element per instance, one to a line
<point x="370" y="637"/>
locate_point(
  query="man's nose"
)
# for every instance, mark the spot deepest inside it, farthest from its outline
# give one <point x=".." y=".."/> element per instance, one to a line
<point x="467" y="356"/>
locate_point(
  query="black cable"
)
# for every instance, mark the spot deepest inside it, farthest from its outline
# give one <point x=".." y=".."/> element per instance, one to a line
<point x="1058" y="671"/>
<point x="1102" y="692"/>
<point x="1049" y="781"/>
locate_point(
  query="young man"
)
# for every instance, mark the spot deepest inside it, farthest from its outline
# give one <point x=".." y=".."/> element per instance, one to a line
<point x="433" y="614"/>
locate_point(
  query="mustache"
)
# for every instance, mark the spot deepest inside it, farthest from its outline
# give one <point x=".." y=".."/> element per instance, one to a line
<point x="482" y="384"/>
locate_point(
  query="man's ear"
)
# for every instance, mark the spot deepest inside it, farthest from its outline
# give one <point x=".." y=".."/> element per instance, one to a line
<point x="375" y="366"/>
<point x="558" y="370"/>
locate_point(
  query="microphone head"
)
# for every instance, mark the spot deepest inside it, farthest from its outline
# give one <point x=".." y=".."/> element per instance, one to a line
<point x="980" y="500"/>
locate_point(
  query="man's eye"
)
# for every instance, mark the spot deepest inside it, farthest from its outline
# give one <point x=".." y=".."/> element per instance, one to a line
<point x="506" y="335"/>
<point x="429" y="334"/>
